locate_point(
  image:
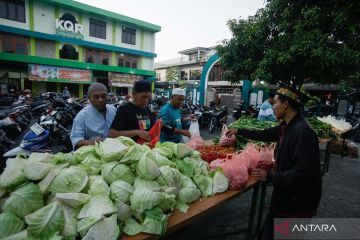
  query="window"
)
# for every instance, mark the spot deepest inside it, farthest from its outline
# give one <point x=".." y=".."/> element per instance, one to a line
<point x="97" y="56"/>
<point x="128" y="61"/>
<point x="97" y="28"/>
<point x="69" y="52"/>
<point x="128" y="35"/>
<point x="14" y="44"/>
<point x="12" y="10"/>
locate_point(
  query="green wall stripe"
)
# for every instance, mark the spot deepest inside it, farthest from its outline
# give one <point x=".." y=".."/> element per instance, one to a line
<point x="75" y="41"/>
<point x="31" y="14"/>
<point x="80" y="18"/>
<point x="142" y="40"/>
<point x="80" y="51"/>
<point x="72" y="64"/>
<point x="32" y="47"/>
<point x="113" y="59"/>
<point x="57" y="12"/>
<point x="114" y="33"/>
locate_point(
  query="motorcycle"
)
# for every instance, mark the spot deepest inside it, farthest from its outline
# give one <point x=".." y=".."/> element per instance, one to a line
<point x="5" y="144"/>
<point x="218" y="119"/>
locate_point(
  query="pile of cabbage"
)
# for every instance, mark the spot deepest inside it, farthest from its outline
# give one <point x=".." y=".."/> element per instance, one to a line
<point x="102" y="191"/>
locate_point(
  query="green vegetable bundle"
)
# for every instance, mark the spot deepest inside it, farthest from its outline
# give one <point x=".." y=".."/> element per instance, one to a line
<point x="99" y="192"/>
<point x="323" y="130"/>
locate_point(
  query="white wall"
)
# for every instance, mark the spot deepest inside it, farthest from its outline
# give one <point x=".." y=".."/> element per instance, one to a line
<point x="149" y="42"/>
<point x="16" y="24"/>
<point x="44" y="18"/>
<point x="162" y="73"/>
<point x="148" y="64"/>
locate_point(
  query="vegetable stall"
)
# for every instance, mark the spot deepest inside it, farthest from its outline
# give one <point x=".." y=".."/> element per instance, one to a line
<point x="115" y="189"/>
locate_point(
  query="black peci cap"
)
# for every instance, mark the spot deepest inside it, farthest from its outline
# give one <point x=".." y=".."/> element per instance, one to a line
<point x="142" y="86"/>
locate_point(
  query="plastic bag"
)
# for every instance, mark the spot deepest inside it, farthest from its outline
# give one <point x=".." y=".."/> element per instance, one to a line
<point x="236" y="171"/>
<point x="154" y="133"/>
<point x="196" y="140"/>
<point x="224" y="140"/>
<point x="266" y="158"/>
<point x="253" y="154"/>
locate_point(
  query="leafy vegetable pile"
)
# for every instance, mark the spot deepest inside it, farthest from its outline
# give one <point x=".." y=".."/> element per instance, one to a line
<point x="247" y="122"/>
<point x="101" y="191"/>
<point x="322" y="129"/>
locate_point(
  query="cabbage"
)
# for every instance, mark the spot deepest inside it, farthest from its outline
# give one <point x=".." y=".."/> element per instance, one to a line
<point x="132" y="227"/>
<point x="123" y="211"/>
<point x="185" y="168"/>
<point x="168" y="202"/>
<point x="72" y="180"/>
<point x="84" y="151"/>
<point x="13" y="174"/>
<point x="2" y="192"/>
<point x="166" y="149"/>
<point x="98" y="186"/>
<point x="126" y="141"/>
<point x="86" y="223"/>
<point x="188" y="192"/>
<point x="73" y="200"/>
<point x="37" y="170"/>
<point x="13" y="224"/>
<point x="200" y="167"/>
<point x="24" y="200"/>
<point x="133" y="155"/>
<point x="91" y="164"/>
<point x="170" y="178"/>
<point x="97" y="206"/>
<point x="155" y="222"/>
<point x="121" y="191"/>
<point x="46" y="220"/>
<point x="110" y="149"/>
<point x="183" y="150"/>
<point x="107" y="229"/>
<point x="45" y="184"/>
<point x="113" y="171"/>
<point x="41" y="157"/>
<point x="160" y="160"/>
<point x="220" y="182"/>
<point x="147" y="168"/>
<point x="65" y="158"/>
<point x="70" y="222"/>
<point x="147" y="184"/>
<point x="181" y="206"/>
<point x="144" y="199"/>
<point x="23" y="235"/>
<point x="204" y="183"/>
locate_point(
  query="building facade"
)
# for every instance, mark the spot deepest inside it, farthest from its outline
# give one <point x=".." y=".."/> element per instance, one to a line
<point x="46" y="45"/>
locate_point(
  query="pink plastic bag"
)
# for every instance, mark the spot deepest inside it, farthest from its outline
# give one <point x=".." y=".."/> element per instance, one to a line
<point x="236" y="170"/>
<point x="224" y="140"/>
<point x="196" y="142"/>
<point x="266" y="160"/>
<point x="253" y="154"/>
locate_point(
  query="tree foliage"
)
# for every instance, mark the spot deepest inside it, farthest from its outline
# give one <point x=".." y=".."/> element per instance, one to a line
<point x="296" y="41"/>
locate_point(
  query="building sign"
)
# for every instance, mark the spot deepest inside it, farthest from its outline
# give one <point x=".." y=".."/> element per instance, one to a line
<point x="67" y="26"/>
<point x="123" y="80"/>
<point x="50" y="73"/>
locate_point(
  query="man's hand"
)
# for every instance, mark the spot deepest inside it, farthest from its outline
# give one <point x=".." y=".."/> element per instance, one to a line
<point x="259" y="174"/>
<point x="186" y="133"/>
<point x="144" y="135"/>
<point x="231" y="132"/>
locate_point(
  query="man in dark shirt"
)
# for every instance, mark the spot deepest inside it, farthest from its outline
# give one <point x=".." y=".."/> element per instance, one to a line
<point x="134" y="119"/>
<point x="296" y="179"/>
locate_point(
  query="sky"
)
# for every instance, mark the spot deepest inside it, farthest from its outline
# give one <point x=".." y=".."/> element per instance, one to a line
<point x="184" y="23"/>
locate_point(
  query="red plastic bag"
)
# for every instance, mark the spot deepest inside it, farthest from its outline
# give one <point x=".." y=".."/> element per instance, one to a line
<point x="224" y="140"/>
<point x="154" y="133"/>
<point x="266" y="160"/>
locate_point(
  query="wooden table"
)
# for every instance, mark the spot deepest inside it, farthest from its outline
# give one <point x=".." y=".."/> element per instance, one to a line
<point x="205" y="205"/>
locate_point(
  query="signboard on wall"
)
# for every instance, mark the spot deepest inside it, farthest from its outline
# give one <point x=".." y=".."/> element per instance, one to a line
<point x="123" y="80"/>
<point x="67" y="26"/>
<point x="48" y="73"/>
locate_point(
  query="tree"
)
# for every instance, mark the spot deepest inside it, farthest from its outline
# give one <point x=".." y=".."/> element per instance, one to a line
<point x="172" y="74"/>
<point x="296" y="41"/>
